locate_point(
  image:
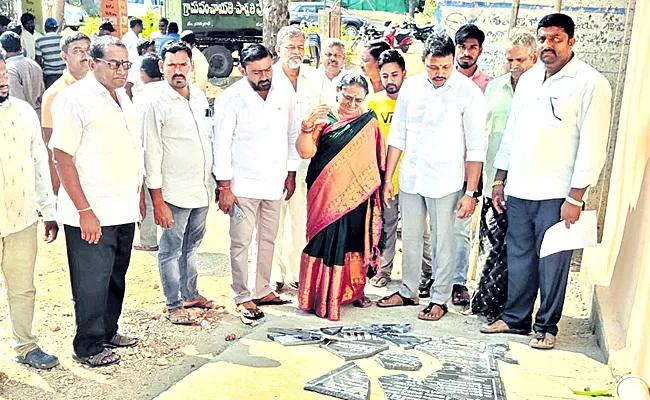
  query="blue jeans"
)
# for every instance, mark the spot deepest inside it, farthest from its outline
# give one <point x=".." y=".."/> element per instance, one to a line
<point x="177" y="256"/>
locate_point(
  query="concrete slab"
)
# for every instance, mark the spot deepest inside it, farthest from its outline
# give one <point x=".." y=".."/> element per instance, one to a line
<point x="258" y="368"/>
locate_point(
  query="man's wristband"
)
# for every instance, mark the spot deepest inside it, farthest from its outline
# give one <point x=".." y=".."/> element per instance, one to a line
<point x="574" y="202"/>
<point x="497" y="183"/>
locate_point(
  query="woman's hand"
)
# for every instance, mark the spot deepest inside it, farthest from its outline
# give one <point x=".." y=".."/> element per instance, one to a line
<point x="316" y="113"/>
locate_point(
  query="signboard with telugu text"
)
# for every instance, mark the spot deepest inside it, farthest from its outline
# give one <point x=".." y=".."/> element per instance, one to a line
<point x="34" y="7"/>
<point x="115" y="12"/>
<point x="222" y="15"/>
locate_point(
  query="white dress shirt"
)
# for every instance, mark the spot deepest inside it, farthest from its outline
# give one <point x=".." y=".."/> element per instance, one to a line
<point x="130" y="40"/>
<point x="105" y="140"/>
<point x="134" y="77"/>
<point x="311" y="89"/>
<point x="178" y="150"/>
<point x="556" y="135"/>
<point x="24" y="173"/>
<point x="331" y="85"/>
<point x="433" y="127"/>
<point x="255" y="139"/>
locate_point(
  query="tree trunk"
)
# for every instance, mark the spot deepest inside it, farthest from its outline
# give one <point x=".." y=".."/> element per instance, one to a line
<point x="276" y="16"/>
<point x="59" y="9"/>
<point x="412" y="9"/>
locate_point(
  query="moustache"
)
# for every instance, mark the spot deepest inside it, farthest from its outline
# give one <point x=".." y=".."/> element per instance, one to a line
<point x="178" y="76"/>
<point x="549" y="51"/>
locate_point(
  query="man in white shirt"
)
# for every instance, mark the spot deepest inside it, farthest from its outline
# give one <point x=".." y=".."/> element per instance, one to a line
<point x="24" y="187"/>
<point x="199" y="74"/>
<point x="332" y="66"/>
<point x="309" y="88"/>
<point x="29" y="35"/>
<point x="255" y="161"/>
<point x="131" y="38"/>
<point x="97" y="146"/>
<point x="177" y="128"/>
<point x="553" y="150"/>
<point x="438" y="115"/>
<point x="134" y="83"/>
<point x="25" y="76"/>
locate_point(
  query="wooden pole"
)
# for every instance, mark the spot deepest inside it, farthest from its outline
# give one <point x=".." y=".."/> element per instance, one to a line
<point x="558" y="6"/>
<point x="60" y="8"/>
<point x="515" y="14"/>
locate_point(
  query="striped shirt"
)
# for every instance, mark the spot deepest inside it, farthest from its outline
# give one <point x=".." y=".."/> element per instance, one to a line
<point x="48" y="47"/>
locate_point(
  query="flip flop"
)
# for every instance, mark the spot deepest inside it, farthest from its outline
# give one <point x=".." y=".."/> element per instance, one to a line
<point x="429" y="308"/>
<point x="379" y="281"/>
<point x="103" y="359"/>
<point x="460" y="295"/>
<point x="405" y="301"/>
<point x="203" y="303"/>
<point x="142" y="247"/>
<point x="514" y="331"/>
<point x="179" y="316"/>
<point x="363" y="302"/>
<point x="538" y="342"/>
<point x="276" y="301"/>
<point x="249" y="313"/>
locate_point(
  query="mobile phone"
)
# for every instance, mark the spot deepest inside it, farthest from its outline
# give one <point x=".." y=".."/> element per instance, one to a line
<point x="237" y="214"/>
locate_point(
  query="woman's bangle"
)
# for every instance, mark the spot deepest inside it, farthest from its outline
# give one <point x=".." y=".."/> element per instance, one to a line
<point x="388" y="181"/>
<point x="85" y="209"/>
<point x="220" y="188"/>
<point x="497" y="183"/>
<point x="574" y="202"/>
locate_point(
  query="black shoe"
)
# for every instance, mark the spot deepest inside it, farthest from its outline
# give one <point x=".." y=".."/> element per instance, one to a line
<point x="424" y="290"/>
<point x="38" y="359"/>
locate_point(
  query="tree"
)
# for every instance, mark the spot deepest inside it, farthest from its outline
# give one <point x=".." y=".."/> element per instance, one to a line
<point x="412" y="10"/>
<point x="276" y="15"/>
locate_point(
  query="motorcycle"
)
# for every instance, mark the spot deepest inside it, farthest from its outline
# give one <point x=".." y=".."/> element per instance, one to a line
<point x="367" y="33"/>
<point x="399" y="38"/>
<point x="420" y="33"/>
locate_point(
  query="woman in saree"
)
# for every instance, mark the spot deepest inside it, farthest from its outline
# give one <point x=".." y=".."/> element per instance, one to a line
<point x="343" y="201"/>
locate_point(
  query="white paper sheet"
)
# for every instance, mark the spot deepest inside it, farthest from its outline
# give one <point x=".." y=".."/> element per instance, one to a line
<point x="581" y="234"/>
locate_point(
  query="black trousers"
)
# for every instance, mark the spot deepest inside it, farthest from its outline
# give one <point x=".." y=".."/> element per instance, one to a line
<point x="97" y="276"/>
<point x="528" y="220"/>
<point x="49" y="80"/>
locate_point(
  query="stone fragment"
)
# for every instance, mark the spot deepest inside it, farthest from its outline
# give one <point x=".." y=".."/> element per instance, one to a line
<point x="466" y="386"/>
<point x="354" y="350"/>
<point x="348" y="382"/>
<point x="402" y="387"/>
<point x="399" y="361"/>
<point x="406" y="342"/>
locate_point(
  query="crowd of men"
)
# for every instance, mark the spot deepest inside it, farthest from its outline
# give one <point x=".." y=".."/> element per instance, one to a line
<point x="158" y="150"/>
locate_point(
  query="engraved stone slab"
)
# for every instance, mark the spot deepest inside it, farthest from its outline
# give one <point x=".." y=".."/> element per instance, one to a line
<point x="354" y="350"/>
<point x="348" y="382"/>
<point x="402" y="387"/>
<point x="389" y="328"/>
<point x="405" y="341"/>
<point x="466" y="386"/>
<point x="464" y="357"/>
<point x="293" y="337"/>
<point x="399" y="361"/>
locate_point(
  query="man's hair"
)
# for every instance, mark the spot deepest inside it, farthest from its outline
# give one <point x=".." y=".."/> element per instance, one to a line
<point x="469" y="31"/>
<point x="438" y="45"/>
<point x="66" y="41"/>
<point x="188" y="37"/>
<point x="352" y="78"/>
<point x="174" y="47"/>
<point x="4" y="20"/>
<point x="392" y="56"/>
<point x="289" y="32"/>
<point x="10" y="42"/>
<point x="150" y="65"/>
<point x="172" y="27"/>
<point x="376" y="47"/>
<point x="559" y="20"/>
<point x="135" y="22"/>
<point x="144" y="44"/>
<point x="254" y="52"/>
<point x="25" y="18"/>
<point x="521" y="37"/>
<point x="99" y="46"/>
<point x="165" y="20"/>
<point x="331" y="42"/>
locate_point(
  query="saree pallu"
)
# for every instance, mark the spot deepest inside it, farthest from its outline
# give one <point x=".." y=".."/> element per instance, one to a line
<point x="343" y="215"/>
<point x="492" y="291"/>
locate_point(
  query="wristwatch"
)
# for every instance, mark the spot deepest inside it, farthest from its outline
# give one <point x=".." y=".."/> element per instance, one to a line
<point x="472" y="193"/>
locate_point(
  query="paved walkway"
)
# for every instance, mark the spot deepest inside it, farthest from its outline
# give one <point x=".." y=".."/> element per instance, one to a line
<point x="258" y="368"/>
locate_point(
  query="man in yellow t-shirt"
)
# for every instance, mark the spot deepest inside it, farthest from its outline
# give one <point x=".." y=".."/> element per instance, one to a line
<point x="392" y="70"/>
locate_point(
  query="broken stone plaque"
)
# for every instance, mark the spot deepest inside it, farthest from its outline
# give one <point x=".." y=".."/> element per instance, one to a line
<point x="402" y="387"/>
<point x="399" y="361"/>
<point x="465" y="357"/>
<point x="380" y="329"/>
<point x="348" y="382"/>
<point x="465" y="386"/>
<point x="293" y="337"/>
<point x="407" y="342"/>
<point x="354" y="350"/>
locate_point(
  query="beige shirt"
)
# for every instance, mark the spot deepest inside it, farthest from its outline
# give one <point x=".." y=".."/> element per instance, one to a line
<point x="24" y="173"/>
<point x="26" y="81"/>
<point x="28" y="41"/>
<point x="106" y="143"/>
<point x="199" y="75"/>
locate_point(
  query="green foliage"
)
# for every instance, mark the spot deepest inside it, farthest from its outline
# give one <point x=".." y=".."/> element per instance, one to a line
<point x="430" y="8"/>
<point x="90" y="26"/>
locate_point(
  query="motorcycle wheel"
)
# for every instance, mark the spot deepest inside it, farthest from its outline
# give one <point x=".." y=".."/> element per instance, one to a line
<point x="405" y="49"/>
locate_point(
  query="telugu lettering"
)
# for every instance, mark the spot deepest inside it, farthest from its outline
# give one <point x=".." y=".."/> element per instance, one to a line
<point x="223" y="8"/>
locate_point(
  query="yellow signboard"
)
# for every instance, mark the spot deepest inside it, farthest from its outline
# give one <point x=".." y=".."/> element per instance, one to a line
<point x="34" y="7"/>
